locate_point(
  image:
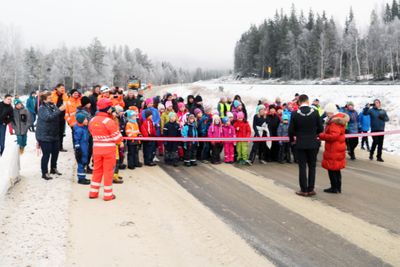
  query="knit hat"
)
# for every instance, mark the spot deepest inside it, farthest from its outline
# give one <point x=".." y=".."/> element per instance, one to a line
<point x="215" y="118"/>
<point x="80" y="117"/>
<point x="148" y="101"/>
<point x="229" y="114"/>
<point x="17" y="101"/>
<point x="148" y="113"/>
<point x="104" y="104"/>
<point x="240" y="116"/>
<point x="331" y="108"/>
<point x="168" y="104"/>
<point x="260" y="107"/>
<point x="225" y="120"/>
<point x="198" y="99"/>
<point x="131" y="113"/>
<point x="197" y="111"/>
<point x="350" y="103"/>
<point x="104" y="89"/>
<point x="84" y="101"/>
<point x="215" y="112"/>
<point x="191" y="116"/>
<point x="160" y="107"/>
<point x="181" y="105"/>
<point x="172" y="114"/>
<point x="236" y="103"/>
<point x="285" y="117"/>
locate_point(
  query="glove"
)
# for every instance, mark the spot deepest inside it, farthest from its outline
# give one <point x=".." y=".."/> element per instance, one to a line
<point x="78" y="154"/>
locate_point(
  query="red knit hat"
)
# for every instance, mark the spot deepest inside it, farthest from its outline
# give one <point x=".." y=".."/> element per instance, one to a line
<point x="104" y="103"/>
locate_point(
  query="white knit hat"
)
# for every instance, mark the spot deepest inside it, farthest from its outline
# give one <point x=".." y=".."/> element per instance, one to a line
<point x="331" y="108"/>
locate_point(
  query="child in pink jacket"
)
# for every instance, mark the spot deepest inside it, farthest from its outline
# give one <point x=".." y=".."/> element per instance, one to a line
<point x="215" y="131"/>
<point x="228" y="131"/>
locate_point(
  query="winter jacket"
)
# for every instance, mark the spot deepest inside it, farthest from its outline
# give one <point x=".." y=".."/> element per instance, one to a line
<point x="273" y="124"/>
<point x="228" y="132"/>
<point x="242" y="129"/>
<point x="190" y="130"/>
<point x="6" y="113"/>
<point x="305" y="125"/>
<point x="260" y="124"/>
<point x="379" y="118"/>
<point x="57" y="99"/>
<point x="203" y="124"/>
<point x="283" y="129"/>
<point x="164" y="119"/>
<point x="147" y="128"/>
<point x="129" y="102"/>
<point x="155" y="113"/>
<point x="352" y="126"/>
<point x="105" y="132"/>
<point x="182" y="118"/>
<point x="47" y="127"/>
<point x="70" y="111"/>
<point x="31" y="104"/>
<point x="364" y="121"/>
<point x="215" y="131"/>
<point x="171" y="129"/>
<point x="117" y="101"/>
<point x="22" y="121"/>
<point x="81" y="140"/>
<point x="334" y="158"/>
<point x="288" y="113"/>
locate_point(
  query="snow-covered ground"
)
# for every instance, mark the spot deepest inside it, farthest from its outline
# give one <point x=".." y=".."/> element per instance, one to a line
<point x="338" y="94"/>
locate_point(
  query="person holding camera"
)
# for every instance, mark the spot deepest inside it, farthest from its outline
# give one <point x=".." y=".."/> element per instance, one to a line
<point x="48" y="133"/>
<point x="379" y="118"/>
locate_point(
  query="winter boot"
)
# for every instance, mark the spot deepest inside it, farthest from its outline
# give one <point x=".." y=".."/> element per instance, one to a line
<point x="117" y="179"/>
<point x="187" y="164"/>
<point x="109" y="198"/>
<point x="21" y="150"/>
<point x="193" y="163"/>
<point x="46" y="176"/>
<point x="88" y="170"/>
<point x="55" y="171"/>
<point x="84" y="181"/>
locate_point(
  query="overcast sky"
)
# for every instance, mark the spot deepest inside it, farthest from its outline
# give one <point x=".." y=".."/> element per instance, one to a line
<point x="189" y="33"/>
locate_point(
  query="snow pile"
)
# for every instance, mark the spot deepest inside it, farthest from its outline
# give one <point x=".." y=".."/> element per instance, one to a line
<point x="338" y="94"/>
<point x="10" y="165"/>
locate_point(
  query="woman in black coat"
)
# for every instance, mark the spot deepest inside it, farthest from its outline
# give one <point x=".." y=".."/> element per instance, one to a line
<point x="47" y="134"/>
<point x="273" y="124"/>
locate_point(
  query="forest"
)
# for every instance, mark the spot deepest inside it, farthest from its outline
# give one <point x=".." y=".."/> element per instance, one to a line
<point x="296" y="46"/>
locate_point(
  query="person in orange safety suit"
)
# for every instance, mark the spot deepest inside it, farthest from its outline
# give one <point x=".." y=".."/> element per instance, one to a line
<point x="106" y="135"/>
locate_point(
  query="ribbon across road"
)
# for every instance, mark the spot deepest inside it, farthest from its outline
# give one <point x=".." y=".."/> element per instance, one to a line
<point x="246" y="139"/>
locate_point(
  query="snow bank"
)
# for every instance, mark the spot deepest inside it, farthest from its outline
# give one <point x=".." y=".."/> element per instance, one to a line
<point x="10" y="166"/>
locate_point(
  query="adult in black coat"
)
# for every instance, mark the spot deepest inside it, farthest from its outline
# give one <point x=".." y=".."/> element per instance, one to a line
<point x="171" y="129"/>
<point x="259" y="128"/>
<point x="93" y="99"/>
<point x="305" y="126"/>
<point x="6" y="117"/>
<point x="47" y="134"/>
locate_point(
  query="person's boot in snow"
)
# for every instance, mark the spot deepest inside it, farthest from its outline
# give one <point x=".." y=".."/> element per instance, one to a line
<point x="380" y="160"/>
<point x="84" y="181"/>
<point x="89" y="170"/>
<point x="55" y="171"/>
<point x="46" y="176"/>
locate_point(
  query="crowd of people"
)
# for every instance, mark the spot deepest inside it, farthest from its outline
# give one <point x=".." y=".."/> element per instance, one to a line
<point x="99" y="119"/>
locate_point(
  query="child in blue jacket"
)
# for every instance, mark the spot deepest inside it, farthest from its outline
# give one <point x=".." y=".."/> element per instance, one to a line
<point x="81" y="146"/>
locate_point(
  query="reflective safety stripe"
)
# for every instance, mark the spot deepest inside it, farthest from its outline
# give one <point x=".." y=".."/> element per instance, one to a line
<point x="94" y="190"/>
<point x="95" y="184"/>
<point x="84" y="174"/>
<point x="104" y="145"/>
<point x="108" y="187"/>
<point x="108" y="194"/>
<point x="106" y="120"/>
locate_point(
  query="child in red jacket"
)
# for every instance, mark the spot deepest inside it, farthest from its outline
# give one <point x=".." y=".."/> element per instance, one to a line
<point x="243" y="130"/>
<point x="149" y="147"/>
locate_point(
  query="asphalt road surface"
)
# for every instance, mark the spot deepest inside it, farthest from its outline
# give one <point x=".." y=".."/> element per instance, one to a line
<point x="359" y="227"/>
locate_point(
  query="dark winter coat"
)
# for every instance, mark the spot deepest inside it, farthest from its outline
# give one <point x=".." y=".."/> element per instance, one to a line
<point x="259" y="122"/>
<point x="379" y="118"/>
<point x="22" y="121"/>
<point x="171" y="129"/>
<point x="81" y="140"/>
<point x="352" y="126"/>
<point x="129" y="102"/>
<point x="305" y="124"/>
<point x="6" y="113"/>
<point x="273" y="124"/>
<point x="283" y="129"/>
<point x="334" y="158"/>
<point x="47" y="127"/>
<point x="190" y="130"/>
<point x="203" y="124"/>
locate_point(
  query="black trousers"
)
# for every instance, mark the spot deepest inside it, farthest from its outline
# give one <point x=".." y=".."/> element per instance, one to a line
<point x="149" y="151"/>
<point x="307" y="158"/>
<point x="260" y="149"/>
<point x="216" y="152"/>
<point x="284" y="152"/>
<point x="377" y="141"/>
<point x="49" y="149"/>
<point x="190" y="152"/>
<point x="336" y="180"/>
<point x="61" y="134"/>
<point x="275" y="151"/>
<point x="364" y="141"/>
<point x="352" y="144"/>
<point x="133" y="155"/>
